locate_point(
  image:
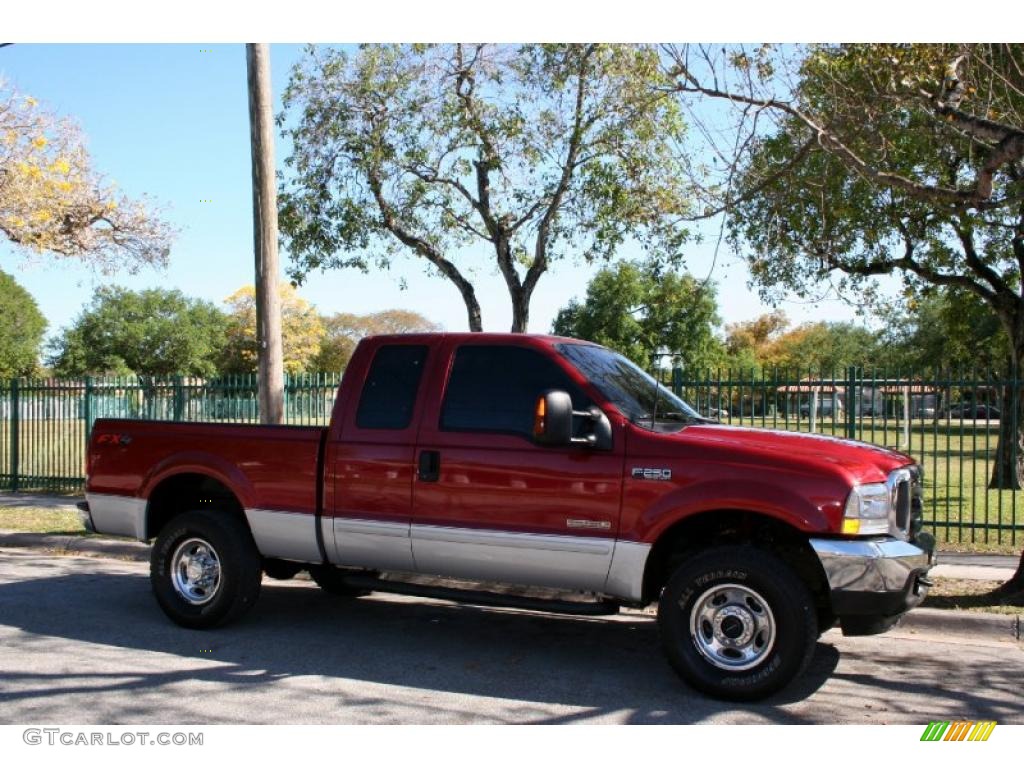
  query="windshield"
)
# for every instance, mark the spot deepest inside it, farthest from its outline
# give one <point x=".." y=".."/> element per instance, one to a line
<point x="629" y="388"/>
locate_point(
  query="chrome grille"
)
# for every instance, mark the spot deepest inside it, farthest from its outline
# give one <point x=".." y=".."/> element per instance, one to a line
<point x="905" y="494"/>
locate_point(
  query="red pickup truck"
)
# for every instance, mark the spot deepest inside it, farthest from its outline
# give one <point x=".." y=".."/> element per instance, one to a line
<point x="553" y="473"/>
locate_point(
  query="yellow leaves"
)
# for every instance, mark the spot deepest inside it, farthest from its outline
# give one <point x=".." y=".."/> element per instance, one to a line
<point x="40" y="142"/>
<point x="30" y="101"/>
<point x="61" y="166"/>
<point x="301" y="328"/>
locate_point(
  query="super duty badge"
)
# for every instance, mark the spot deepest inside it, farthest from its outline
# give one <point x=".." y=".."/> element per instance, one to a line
<point x="651" y="473"/>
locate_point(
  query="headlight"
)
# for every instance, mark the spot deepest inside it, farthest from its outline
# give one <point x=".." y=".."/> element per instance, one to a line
<point x="867" y="510"/>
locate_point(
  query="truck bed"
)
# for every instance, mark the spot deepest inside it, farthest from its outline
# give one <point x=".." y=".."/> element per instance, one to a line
<point x="274" y="467"/>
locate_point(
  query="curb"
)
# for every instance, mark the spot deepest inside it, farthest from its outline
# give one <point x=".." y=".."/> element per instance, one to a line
<point x="996" y="626"/>
<point x="124" y="549"/>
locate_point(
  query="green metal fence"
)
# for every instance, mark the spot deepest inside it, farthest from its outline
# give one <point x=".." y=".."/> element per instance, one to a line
<point x="44" y="423"/>
<point x="949" y="422"/>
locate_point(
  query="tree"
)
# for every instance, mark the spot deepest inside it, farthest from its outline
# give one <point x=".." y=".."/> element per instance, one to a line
<point x="816" y="347"/>
<point x="943" y="329"/>
<point x="638" y="309"/>
<point x="528" y="153"/>
<point x="746" y="343"/>
<point x="863" y="160"/>
<point x="301" y="329"/>
<point x="825" y="347"/>
<point x="53" y="201"/>
<point x="22" y="326"/>
<point x="155" y="332"/>
<point x="343" y="332"/>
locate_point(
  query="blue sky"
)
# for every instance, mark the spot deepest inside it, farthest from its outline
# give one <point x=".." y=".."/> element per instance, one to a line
<point x="171" y="122"/>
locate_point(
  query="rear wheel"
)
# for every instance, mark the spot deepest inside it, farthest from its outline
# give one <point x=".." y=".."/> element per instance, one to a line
<point x="737" y="623"/>
<point x="205" y="569"/>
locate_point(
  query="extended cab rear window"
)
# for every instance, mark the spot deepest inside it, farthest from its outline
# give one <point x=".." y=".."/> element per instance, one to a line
<point x="389" y="393"/>
<point x="495" y="389"/>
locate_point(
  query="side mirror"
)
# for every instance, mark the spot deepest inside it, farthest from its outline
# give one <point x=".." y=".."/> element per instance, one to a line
<point x="552" y="418"/>
<point x="552" y="422"/>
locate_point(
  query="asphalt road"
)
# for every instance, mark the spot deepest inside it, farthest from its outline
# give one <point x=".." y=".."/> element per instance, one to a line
<point x="82" y="641"/>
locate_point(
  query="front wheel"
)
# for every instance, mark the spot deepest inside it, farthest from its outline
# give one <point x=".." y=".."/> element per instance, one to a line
<point x="205" y="569"/>
<point x="737" y="623"/>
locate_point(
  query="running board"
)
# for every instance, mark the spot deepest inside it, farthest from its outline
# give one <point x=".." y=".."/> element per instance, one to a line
<point x="478" y="597"/>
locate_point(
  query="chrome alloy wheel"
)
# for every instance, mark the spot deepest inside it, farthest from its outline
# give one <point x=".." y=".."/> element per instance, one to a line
<point x="732" y="627"/>
<point x="195" y="571"/>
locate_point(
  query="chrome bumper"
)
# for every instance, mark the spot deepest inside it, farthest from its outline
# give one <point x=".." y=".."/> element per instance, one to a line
<point x="879" y="565"/>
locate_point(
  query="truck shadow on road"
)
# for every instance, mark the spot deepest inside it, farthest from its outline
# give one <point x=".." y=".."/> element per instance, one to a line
<point x="527" y="661"/>
<point x="524" y="667"/>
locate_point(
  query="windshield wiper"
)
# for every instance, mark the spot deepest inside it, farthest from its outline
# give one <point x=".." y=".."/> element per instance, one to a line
<point x="670" y="416"/>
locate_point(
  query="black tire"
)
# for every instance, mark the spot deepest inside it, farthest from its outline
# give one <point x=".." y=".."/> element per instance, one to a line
<point x="186" y="599"/>
<point x="332" y="580"/>
<point x="281" y="570"/>
<point x="754" y="652"/>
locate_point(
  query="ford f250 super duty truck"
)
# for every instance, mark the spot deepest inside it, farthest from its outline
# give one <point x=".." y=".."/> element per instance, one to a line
<point x="529" y="462"/>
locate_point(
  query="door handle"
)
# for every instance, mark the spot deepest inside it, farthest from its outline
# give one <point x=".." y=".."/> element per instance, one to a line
<point x="429" y="466"/>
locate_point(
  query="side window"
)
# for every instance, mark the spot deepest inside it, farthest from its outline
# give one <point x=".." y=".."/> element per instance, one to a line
<point x="495" y="389"/>
<point x="389" y="393"/>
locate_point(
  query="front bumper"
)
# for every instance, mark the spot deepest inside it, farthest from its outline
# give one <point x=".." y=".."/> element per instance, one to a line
<point x="873" y="582"/>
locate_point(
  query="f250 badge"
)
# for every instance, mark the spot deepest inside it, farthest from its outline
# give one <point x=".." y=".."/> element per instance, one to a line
<point x="651" y="473"/>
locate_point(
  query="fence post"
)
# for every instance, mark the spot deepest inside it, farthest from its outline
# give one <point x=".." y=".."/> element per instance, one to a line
<point x="677" y="381"/>
<point x="88" y="410"/>
<point x="15" y="416"/>
<point x="851" y="403"/>
<point x="179" y="399"/>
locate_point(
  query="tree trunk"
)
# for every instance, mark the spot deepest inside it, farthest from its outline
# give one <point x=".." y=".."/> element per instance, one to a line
<point x="1008" y="469"/>
<point x="520" y="311"/>
<point x="1015" y="586"/>
<point x="476" y="323"/>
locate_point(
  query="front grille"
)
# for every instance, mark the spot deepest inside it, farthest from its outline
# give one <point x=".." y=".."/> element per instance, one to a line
<point x="905" y="491"/>
<point x="902" y="506"/>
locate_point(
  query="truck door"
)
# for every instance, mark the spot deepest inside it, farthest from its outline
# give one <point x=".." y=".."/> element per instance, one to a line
<point x="372" y="463"/>
<point x="489" y="503"/>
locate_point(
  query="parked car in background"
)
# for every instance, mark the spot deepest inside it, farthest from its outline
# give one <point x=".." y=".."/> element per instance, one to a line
<point x="826" y="409"/>
<point x="974" y="411"/>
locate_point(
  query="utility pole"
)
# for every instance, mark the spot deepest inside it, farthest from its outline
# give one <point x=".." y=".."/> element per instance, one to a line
<point x="264" y="229"/>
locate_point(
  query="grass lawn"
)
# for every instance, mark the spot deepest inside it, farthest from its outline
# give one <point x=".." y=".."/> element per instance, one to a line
<point x="41" y="520"/>
<point x="970" y="595"/>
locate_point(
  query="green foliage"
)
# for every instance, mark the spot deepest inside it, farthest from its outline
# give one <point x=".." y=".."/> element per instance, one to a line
<point x="768" y="342"/>
<point x="896" y="180"/>
<point x="22" y="326"/>
<point x="154" y="332"/>
<point x="532" y="152"/>
<point x="944" y="330"/>
<point x="638" y="309"/>
<point x="344" y="330"/>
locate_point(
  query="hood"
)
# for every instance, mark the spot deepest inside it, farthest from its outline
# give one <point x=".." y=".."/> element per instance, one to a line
<point x="860" y="462"/>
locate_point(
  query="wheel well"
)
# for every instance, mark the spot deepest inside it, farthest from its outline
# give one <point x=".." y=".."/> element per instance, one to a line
<point x="187" y="492"/>
<point x="696" y="533"/>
